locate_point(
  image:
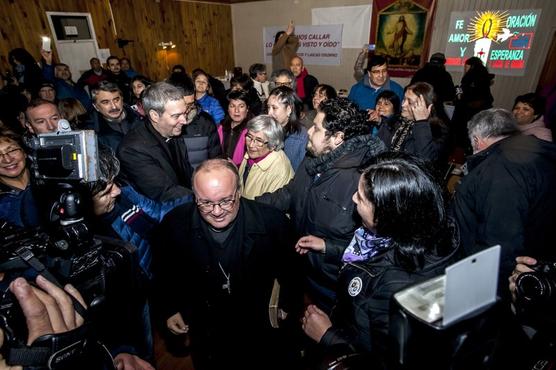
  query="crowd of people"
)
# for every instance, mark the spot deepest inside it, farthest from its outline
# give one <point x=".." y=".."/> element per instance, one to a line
<point x="279" y="185"/>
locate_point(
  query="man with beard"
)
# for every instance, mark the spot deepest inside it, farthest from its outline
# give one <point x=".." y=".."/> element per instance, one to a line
<point x="319" y="198"/>
<point x="112" y="119"/>
<point x="199" y="133"/>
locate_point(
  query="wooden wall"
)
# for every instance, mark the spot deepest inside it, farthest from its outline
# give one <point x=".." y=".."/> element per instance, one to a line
<point x="201" y="31"/>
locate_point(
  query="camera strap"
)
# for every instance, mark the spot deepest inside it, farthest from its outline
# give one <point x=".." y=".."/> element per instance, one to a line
<point x="30" y="259"/>
<point x="70" y="350"/>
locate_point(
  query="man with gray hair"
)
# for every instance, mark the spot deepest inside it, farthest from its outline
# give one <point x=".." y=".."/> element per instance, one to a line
<point x="153" y="155"/>
<point x="508" y="195"/>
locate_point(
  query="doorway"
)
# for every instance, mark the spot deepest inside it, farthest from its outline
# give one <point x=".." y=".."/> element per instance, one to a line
<point x="75" y="40"/>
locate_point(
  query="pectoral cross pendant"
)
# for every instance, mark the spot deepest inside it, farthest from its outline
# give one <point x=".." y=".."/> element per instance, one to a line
<point x="226" y="286"/>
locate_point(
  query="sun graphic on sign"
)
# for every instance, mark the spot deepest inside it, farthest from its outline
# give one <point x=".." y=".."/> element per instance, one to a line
<point x="487" y="24"/>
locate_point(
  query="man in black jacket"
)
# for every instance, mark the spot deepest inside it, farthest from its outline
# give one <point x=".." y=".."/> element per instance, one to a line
<point x="305" y="83"/>
<point x="508" y="196"/>
<point x="111" y="119"/>
<point x="117" y="76"/>
<point x="153" y="156"/>
<point x="435" y="74"/>
<point x="319" y="196"/>
<point x="199" y="132"/>
<point x="215" y="265"/>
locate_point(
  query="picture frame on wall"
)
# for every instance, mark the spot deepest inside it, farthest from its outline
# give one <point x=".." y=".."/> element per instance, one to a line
<point x="401" y="31"/>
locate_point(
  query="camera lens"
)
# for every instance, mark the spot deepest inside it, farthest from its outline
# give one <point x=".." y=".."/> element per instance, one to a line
<point x="532" y="287"/>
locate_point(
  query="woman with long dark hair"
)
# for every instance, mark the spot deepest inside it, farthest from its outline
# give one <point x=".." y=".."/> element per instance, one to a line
<point x="26" y="72"/>
<point x="420" y="129"/>
<point x="138" y="84"/>
<point x="233" y="128"/>
<point x="405" y="238"/>
<point x="285" y="107"/>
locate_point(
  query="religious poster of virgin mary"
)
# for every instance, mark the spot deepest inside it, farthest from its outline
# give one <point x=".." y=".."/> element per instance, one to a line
<point x="402" y="33"/>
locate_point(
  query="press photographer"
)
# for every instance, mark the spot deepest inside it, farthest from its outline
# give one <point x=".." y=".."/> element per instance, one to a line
<point x="533" y="289"/>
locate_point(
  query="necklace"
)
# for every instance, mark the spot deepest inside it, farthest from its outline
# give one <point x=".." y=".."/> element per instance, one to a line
<point x="227" y="286"/>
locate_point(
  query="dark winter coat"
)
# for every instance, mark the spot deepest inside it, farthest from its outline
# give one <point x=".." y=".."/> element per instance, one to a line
<point x="201" y="139"/>
<point x="319" y="201"/>
<point x="508" y="198"/>
<point x="147" y="164"/>
<point x="234" y="326"/>
<point x="361" y="315"/>
<point x="425" y="141"/>
<point x="112" y="133"/>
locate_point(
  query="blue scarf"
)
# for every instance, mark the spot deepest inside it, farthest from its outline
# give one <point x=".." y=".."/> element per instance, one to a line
<point x="364" y="246"/>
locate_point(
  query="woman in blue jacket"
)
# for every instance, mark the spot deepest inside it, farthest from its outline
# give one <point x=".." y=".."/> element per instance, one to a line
<point x="284" y="106"/>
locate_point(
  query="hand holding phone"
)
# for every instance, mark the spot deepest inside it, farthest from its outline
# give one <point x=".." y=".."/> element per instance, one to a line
<point x="46" y="43"/>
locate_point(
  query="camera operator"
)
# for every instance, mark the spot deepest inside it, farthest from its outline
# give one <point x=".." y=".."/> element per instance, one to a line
<point x="532" y="285"/>
<point x="18" y="205"/>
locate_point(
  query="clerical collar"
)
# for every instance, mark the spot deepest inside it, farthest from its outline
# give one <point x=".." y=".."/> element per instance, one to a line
<point x="224" y="229"/>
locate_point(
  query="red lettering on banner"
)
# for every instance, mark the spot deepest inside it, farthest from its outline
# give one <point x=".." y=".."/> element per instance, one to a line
<point x="452" y="61"/>
<point x="517" y="64"/>
<point x="497" y="64"/>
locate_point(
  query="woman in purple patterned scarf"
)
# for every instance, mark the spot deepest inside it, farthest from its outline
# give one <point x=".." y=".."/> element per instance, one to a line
<point x="405" y="238"/>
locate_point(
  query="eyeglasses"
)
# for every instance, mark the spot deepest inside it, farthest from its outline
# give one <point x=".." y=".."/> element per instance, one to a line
<point x="289" y="83"/>
<point x="11" y="153"/>
<point x="225" y="204"/>
<point x="258" y="142"/>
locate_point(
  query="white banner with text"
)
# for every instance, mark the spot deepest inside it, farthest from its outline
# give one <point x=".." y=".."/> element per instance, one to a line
<point x="318" y="45"/>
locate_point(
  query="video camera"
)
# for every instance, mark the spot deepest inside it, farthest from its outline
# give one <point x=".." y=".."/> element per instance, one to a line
<point x="66" y="156"/>
<point x="62" y="163"/>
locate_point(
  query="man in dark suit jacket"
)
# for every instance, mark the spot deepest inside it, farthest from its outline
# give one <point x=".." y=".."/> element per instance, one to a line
<point x="153" y="156"/>
<point x="215" y="264"/>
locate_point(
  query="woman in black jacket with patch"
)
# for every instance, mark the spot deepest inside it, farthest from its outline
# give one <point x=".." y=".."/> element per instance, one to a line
<point x="405" y="238"/>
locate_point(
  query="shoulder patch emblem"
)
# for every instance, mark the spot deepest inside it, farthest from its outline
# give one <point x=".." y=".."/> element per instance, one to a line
<point x="355" y="286"/>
